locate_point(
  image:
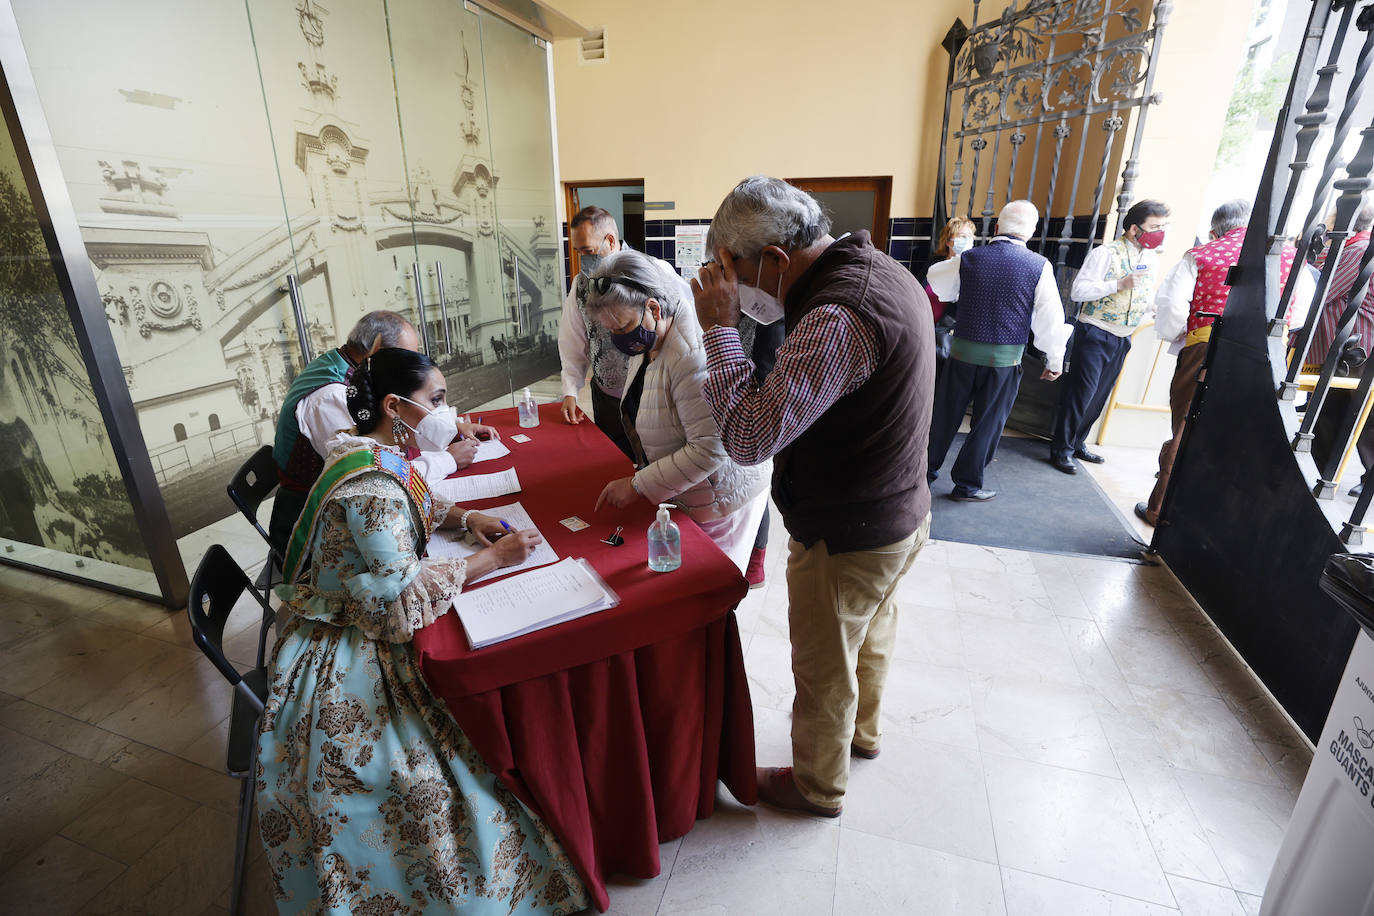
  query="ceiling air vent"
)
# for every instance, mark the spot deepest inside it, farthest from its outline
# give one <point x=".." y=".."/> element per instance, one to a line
<point x="594" y="45"/>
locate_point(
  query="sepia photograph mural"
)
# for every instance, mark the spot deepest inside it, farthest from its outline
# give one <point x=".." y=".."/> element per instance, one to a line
<point x="60" y="487"/>
<point x="373" y="154"/>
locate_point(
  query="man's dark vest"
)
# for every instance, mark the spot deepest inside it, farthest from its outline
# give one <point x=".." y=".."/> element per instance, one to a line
<point x="856" y="478"/>
<point x="997" y="293"/>
<point x="298" y="464"/>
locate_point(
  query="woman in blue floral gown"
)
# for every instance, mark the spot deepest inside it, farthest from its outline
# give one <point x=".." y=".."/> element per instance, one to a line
<point x="371" y="799"/>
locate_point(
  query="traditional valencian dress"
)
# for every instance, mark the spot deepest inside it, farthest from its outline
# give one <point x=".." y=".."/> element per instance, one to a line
<point x="371" y="799"/>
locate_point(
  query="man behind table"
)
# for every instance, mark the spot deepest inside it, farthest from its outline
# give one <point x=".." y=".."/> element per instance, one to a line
<point x="315" y="414"/>
<point x="845" y="414"/>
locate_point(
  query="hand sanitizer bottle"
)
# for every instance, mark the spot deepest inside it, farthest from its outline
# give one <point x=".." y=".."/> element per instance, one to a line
<point x="528" y="410"/>
<point x="665" y="542"/>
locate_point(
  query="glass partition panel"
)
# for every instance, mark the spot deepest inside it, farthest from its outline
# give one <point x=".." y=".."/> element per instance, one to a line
<point x="156" y="111"/>
<point x="515" y="65"/>
<point x="327" y="80"/>
<point x="63" y="503"/>
<point x="437" y="56"/>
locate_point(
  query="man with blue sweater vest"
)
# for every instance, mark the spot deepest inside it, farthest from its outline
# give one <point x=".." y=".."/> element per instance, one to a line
<point x="1005" y="293"/>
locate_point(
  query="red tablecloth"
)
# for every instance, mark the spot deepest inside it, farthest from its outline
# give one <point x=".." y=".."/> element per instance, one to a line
<point x="614" y="727"/>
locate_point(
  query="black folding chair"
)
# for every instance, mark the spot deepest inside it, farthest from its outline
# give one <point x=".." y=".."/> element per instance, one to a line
<point x="218" y="585"/>
<point x="253" y="483"/>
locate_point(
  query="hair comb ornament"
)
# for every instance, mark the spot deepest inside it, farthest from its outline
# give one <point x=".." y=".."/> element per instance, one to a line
<point x="364" y="415"/>
<point x="351" y="391"/>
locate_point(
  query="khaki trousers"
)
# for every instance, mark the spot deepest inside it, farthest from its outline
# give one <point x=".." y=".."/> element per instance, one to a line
<point x="1181" y="391"/>
<point x="843" y="624"/>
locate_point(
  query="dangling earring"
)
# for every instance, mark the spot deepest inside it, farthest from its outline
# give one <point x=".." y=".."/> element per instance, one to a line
<point x="399" y="431"/>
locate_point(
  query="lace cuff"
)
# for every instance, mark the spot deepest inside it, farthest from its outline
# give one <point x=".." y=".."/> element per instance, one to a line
<point x="424" y="600"/>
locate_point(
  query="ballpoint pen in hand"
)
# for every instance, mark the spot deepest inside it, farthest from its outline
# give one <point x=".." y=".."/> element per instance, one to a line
<point x="508" y="528"/>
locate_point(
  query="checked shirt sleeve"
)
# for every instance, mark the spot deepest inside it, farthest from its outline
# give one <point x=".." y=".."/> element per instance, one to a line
<point x="829" y="354"/>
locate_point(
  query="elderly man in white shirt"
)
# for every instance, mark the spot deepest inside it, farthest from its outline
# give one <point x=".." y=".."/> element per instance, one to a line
<point x="1191" y="297"/>
<point x="1115" y="287"/>
<point x="1005" y="293"/>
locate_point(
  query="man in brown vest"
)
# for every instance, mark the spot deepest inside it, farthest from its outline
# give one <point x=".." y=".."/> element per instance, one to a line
<point x="845" y="415"/>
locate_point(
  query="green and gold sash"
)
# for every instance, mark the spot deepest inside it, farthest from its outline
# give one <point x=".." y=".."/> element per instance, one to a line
<point x="341" y="470"/>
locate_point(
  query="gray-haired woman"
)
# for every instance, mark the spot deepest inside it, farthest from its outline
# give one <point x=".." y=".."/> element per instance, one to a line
<point x="679" y="454"/>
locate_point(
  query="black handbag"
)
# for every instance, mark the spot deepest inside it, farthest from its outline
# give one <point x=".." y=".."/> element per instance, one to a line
<point x="944" y="336"/>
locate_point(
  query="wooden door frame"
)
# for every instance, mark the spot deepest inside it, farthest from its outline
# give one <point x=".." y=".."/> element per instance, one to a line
<point x="571" y="208"/>
<point x="880" y="185"/>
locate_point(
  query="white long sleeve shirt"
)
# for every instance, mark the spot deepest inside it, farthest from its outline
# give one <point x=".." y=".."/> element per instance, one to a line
<point x="1047" y="314"/>
<point x="323" y="418"/>
<point x="1174" y="300"/>
<point x="1092" y="283"/>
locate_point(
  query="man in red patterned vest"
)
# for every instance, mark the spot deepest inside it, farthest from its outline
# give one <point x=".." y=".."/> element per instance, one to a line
<point x="1191" y="296"/>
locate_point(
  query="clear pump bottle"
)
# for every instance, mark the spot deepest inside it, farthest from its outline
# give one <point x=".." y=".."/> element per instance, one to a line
<point x="665" y="542"/>
<point x="528" y="410"/>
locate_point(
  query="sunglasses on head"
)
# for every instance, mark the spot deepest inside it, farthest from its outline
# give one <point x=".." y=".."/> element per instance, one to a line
<point x="599" y="285"/>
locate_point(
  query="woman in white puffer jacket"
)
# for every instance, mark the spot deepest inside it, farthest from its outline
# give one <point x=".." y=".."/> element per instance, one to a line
<point x="680" y="456"/>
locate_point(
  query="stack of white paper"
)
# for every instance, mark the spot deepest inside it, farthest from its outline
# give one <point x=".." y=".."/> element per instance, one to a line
<point x="532" y="601"/>
<point x="447" y="544"/>
<point x="477" y="486"/>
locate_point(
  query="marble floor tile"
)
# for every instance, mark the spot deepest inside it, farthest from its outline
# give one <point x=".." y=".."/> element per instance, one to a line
<point x="632" y="896"/>
<point x="1077" y="827"/>
<point x="930" y="586"/>
<point x="34" y="809"/>
<point x="1201" y="733"/>
<point x="755" y="861"/>
<point x="769" y="667"/>
<point x="1198" y="899"/>
<point x="22" y="619"/>
<point x="1107" y="687"/>
<point x="1035" y="651"/>
<point x="55" y="652"/>
<point x="1291" y="763"/>
<point x="1043" y="723"/>
<point x="1151" y="658"/>
<point x="111" y="679"/>
<point x="1251" y="903"/>
<point x="1014" y="596"/>
<point x="183" y="872"/>
<point x="1037" y="895"/>
<point x="922" y="793"/>
<point x="126" y="823"/>
<point x="178" y="776"/>
<point x="929" y="702"/>
<point x="1244" y="822"/>
<point x="55" y="879"/>
<point x="884" y="876"/>
<point x="1065" y="598"/>
<point x="127" y="613"/>
<point x="176" y="710"/>
<point x="929" y="635"/>
<point x="772" y="736"/>
<point x="979" y="559"/>
<point x="21" y="757"/>
<point x="69" y="734"/>
<point x="211" y="749"/>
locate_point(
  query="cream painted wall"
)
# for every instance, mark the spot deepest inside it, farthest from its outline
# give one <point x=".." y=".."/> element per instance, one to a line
<point x="694" y="97"/>
<point x="729" y="89"/>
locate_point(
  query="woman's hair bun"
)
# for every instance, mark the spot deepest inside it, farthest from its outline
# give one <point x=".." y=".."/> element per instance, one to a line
<point x="362" y="405"/>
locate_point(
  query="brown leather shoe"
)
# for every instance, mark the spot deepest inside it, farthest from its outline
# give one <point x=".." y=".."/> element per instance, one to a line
<point x="778" y="789"/>
<point x="865" y="753"/>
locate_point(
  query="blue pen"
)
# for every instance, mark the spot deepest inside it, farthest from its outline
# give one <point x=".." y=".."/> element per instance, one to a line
<point x="479" y="421"/>
<point x="507" y="527"/>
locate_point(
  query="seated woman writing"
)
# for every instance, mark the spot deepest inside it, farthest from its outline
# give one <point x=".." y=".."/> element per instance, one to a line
<point x="371" y="799"/>
<point x="676" y="440"/>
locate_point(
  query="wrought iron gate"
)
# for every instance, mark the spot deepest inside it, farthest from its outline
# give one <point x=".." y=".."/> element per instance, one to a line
<point x="1037" y="107"/>
<point x="1250" y="515"/>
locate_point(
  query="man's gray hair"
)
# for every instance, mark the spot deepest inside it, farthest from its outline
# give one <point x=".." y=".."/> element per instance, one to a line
<point x="1018" y="219"/>
<point x="640" y="269"/>
<point x="1365" y="218"/>
<point x="764" y="211"/>
<point x="382" y="328"/>
<point x="1231" y="215"/>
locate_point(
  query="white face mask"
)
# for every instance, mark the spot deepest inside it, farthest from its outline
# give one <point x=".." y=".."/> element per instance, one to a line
<point x="436" y="430"/>
<point x="761" y="306"/>
<point x="961" y="244"/>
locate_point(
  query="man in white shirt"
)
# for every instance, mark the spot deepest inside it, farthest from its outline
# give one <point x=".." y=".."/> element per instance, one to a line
<point x="1005" y="293"/>
<point x="1116" y="288"/>
<point x="1191" y="297"/>
<point x="585" y="345"/>
<point x="315" y="415"/>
